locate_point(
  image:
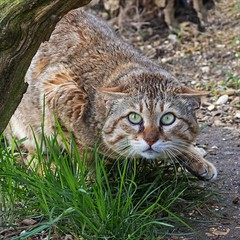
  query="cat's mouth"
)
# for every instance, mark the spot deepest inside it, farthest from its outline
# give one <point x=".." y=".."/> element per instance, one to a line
<point x="150" y="151"/>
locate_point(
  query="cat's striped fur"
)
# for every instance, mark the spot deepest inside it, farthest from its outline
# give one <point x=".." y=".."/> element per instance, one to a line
<point x="99" y="87"/>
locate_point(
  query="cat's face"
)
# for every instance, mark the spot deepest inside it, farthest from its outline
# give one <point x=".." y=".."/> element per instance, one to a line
<point x="150" y="129"/>
<point x="142" y="127"/>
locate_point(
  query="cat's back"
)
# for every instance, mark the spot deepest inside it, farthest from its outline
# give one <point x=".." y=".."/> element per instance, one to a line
<point x="79" y="27"/>
<point x="81" y="43"/>
<point x="79" y="30"/>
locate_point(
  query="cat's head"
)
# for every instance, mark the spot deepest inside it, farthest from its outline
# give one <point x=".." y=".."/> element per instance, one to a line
<point x="150" y="117"/>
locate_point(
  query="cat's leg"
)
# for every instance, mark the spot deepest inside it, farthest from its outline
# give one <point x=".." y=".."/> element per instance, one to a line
<point x="20" y="128"/>
<point x="67" y="102"/>
<point x="197" y="165"/>
<point x="65" y="99"/>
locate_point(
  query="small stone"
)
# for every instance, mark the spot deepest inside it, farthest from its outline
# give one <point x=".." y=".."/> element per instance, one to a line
<point x="150" y="31"/>
<point x="235" y="199"/>
<point x="211" y="107"/>
<point x="212" y="152"/>
<point x="201" y="151"/>
<point x="164" y="60"/>
<point x="218" y="123"/>
<point x="218" y="72"/>
<point x="209" y="234"/>
<point x="220" y="45"/>
<point x="205" y="69"/>
<point x="217" y="113"/>
<point x="204" y="146"/>
<point x="230" y="91"/>
<point x="156" y="43"/>
<point x="23" y="232"/>
<point x="237" y="114"/>
<point x="236" y="101"/>
<point x="182" y="54"/>
<point x="193" y="82"/>
<point x="172" y="37"/>
<point x="222" y="100"/>
<point x="204" y="102"/>
<point x="104" y="15"/>
<point x="214" y="147"/>
<point x="204" y="119"/>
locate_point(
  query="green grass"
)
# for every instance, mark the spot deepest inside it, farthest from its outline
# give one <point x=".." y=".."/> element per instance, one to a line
<point x="233" y="81"/>
<point x="126" y="200"/>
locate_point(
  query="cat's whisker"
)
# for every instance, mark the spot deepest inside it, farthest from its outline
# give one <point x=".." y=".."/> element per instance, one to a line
<point x="176" y="150"/>
<point x="183" y="151"/>
<point x="187" y="163"/>
<point x="132" y="153"/>
<point x="172" y="156"/>
<point x="180" y="143"/>
<point x="122" y="148"/>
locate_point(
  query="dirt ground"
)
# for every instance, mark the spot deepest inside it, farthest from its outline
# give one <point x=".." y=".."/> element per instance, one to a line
<point x="223" y="221"/>
<point x="208" y="60"/>
<point x="219" y="218"/>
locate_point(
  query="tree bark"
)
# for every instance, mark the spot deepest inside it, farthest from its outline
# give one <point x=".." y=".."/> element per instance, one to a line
<point x="24" y="24"/>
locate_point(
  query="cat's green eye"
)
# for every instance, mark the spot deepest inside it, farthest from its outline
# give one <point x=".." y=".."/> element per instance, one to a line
<point x="135" y="118"/>
<point x="168" y="119"/>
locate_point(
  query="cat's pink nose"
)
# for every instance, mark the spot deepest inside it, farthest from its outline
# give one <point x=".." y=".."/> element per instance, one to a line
<point x="151" y="138"/>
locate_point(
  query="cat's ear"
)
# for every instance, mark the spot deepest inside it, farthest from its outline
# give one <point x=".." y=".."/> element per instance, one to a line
<point x="186" y="91"/>
<point x="193" y="96"/>
<point x="114" y="92"/>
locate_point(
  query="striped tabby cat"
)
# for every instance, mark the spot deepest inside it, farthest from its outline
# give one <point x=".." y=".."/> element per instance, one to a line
<point x="97" y="85"/>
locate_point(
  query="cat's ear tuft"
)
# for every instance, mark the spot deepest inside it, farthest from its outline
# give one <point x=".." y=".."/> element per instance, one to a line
<point x="186" y="91"/>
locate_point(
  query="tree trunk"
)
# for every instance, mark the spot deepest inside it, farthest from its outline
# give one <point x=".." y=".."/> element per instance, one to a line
<point x="24" y="24"/>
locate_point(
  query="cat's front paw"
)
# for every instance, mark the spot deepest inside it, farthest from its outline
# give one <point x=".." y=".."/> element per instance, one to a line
<point x="207" y="172"/>
<point x="199" y="166"/>
<point x="204" y="170"/>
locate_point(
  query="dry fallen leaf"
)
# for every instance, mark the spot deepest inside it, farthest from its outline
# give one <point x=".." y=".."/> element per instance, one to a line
<point x="217" y="232"/>
<point x="28" y="222"/>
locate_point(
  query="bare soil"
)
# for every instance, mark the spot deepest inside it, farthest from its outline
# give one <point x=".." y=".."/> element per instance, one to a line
<point x="219" y="218"/>
<point x="223" y="221"/>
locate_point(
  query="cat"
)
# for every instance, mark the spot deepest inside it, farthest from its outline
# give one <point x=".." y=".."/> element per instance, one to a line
<point x="99" y="87"/>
